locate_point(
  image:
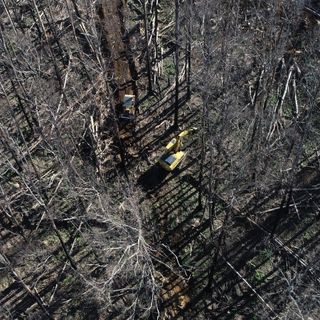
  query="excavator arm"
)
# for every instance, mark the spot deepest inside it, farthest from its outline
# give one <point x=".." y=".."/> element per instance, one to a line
<point x="176" y="143"/>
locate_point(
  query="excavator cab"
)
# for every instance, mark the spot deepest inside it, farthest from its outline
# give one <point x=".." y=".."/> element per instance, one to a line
<point x="173" y="155"/>
<point x="127" y="112"/>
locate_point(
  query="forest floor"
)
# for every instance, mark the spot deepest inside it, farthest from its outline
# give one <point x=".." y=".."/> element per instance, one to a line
<point x="256" y="263"/>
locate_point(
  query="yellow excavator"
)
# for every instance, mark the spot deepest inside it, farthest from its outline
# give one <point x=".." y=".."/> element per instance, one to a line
<point x="173" y="155"/>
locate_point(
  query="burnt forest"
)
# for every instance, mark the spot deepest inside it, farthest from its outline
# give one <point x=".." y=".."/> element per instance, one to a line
<point x="160" y="159"/>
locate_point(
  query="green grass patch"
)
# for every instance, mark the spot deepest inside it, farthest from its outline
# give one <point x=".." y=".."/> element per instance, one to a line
<point x="68" y="280"/>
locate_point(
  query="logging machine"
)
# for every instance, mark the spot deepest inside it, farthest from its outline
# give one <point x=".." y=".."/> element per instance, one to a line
<point x="127" y="112"/>
<point x="173" y="155"/>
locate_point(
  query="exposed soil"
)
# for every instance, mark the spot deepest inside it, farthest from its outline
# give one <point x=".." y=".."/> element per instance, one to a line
<point x="112" y="17"/>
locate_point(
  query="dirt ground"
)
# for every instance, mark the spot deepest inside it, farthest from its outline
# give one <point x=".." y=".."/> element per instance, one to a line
<point x="112" y="15"/>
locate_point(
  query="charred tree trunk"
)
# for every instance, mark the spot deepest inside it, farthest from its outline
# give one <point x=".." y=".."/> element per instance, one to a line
<point x="31" y="292"/>
<point x="177" y="69"/>
<point x="146" y="36"/>
<point x="188" y="46"/>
